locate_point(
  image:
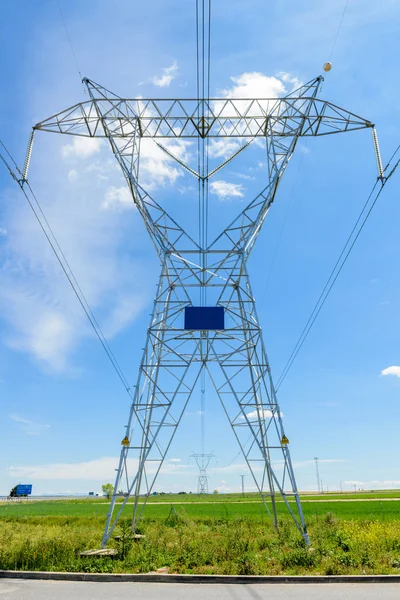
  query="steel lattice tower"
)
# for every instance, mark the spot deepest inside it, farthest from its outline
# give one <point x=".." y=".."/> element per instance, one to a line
<point x="202" y="461"/>
<point x="222" y="335"/>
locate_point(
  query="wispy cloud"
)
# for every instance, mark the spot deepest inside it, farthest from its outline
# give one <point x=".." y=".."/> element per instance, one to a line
<point x="72" y="175"/>
<point x="82" y="147"/>
<point x="118" y="196"/>
<point x="30" y="427"/>
<point x="393" y="370"/>
<point x="99" y="469"/>
<point x="244" y="176"/>
<point x="226" y="191"/>
<point x="375" y="483"/>
<point x="43" y="317"/>
<point x="224" y="147"/>
<point x="168" y="75"/>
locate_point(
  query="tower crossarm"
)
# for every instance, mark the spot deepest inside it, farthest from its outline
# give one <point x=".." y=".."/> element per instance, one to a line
<point x="166" y="234"/>
<point x="280" y="121"/>
<point x="242" y="232"/>
<point x="238" y="118"/>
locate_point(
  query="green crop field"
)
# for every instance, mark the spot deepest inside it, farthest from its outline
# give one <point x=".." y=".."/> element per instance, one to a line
<point x="350" y="533"/>
<point x="372" y="509"/>
<point x="254" y="497"/>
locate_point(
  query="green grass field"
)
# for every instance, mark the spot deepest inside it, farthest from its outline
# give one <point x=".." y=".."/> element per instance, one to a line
<point x="255" y="497"/>
<point x="213" y="534"/>
<point x="372" y="509"/>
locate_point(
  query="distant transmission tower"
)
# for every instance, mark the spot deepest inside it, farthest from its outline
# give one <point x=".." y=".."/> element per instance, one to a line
<point x="204" y="317"/>
<point x="202" y="461"/>
<point x="317" y="470"/>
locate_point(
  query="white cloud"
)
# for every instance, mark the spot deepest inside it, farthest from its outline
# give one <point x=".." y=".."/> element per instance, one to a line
<point x="394" y="370"/>
<point x="98" y="469"/>
<point x="29" y="427"/>
<point x="73" y="175"/>
<point x="246" y="87"/>
<point x="169" y="74"/>
<point x="266" y="413"/>
<point x="157" y="169"/>
<point x="279" y="464"/>
<point x="375" y="483"/>
<point x="244" y="176"/>
<point x="3" y="231"/>
<point x="41" y="314"/>
<point x="118" y="196"/>
<point x="224" y="147"/>
<point x="51" y="338"/>
<point x="225" y="190"/>
<point x="101" y="469"/>
<point x="82" y="147"/>
<point x="255" y="85"/>
<point x="234" y="468"/>
<point x="175" y="460"/>
<point x="224" y="489"/>
<point x="292" y="81"/>
<point x="126" y="309"/>
<point x="303" y="149"/>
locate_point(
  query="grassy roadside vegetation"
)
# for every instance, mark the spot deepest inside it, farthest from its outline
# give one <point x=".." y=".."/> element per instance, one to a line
<point x="218" y="537"/>
<point x="238" y="545"/>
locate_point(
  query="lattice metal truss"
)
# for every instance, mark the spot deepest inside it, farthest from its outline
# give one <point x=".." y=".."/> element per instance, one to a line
<point x="234" y="358"/>
<point x="202" y="461"/>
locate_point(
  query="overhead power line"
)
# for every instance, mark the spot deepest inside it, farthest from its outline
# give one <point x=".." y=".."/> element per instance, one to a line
<point x="203" y="77"/>
<point x="70" y="41"/>
<point x="343" y="256"/>
<point x="338" y="30"/>
<point x="65" y="266"/>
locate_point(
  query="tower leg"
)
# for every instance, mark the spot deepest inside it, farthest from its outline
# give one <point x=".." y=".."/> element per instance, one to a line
<point x="165" y="384"/>
<point x="245" y="388"/>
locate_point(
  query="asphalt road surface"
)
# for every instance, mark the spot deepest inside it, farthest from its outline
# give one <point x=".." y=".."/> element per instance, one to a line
<point x="16" y="589"/>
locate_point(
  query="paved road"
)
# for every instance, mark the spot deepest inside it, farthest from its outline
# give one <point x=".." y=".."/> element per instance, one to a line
<point x="13" y="589"/>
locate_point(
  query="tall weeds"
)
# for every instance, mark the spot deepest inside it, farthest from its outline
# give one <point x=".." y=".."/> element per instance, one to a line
<point x="185" y="544"/>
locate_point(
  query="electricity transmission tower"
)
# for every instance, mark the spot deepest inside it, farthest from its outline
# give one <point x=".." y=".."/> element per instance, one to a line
<point x="204" y="314"/>
<point x="317" y="470"/>
<point x="202" y="461"/>
<point x="204" y="319"/>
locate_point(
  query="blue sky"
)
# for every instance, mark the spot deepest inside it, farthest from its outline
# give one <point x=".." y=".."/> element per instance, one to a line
<point x="62" y="408"/>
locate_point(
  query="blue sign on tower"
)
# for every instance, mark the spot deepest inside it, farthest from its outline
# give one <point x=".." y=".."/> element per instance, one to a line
<point x="204" y="317"/>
